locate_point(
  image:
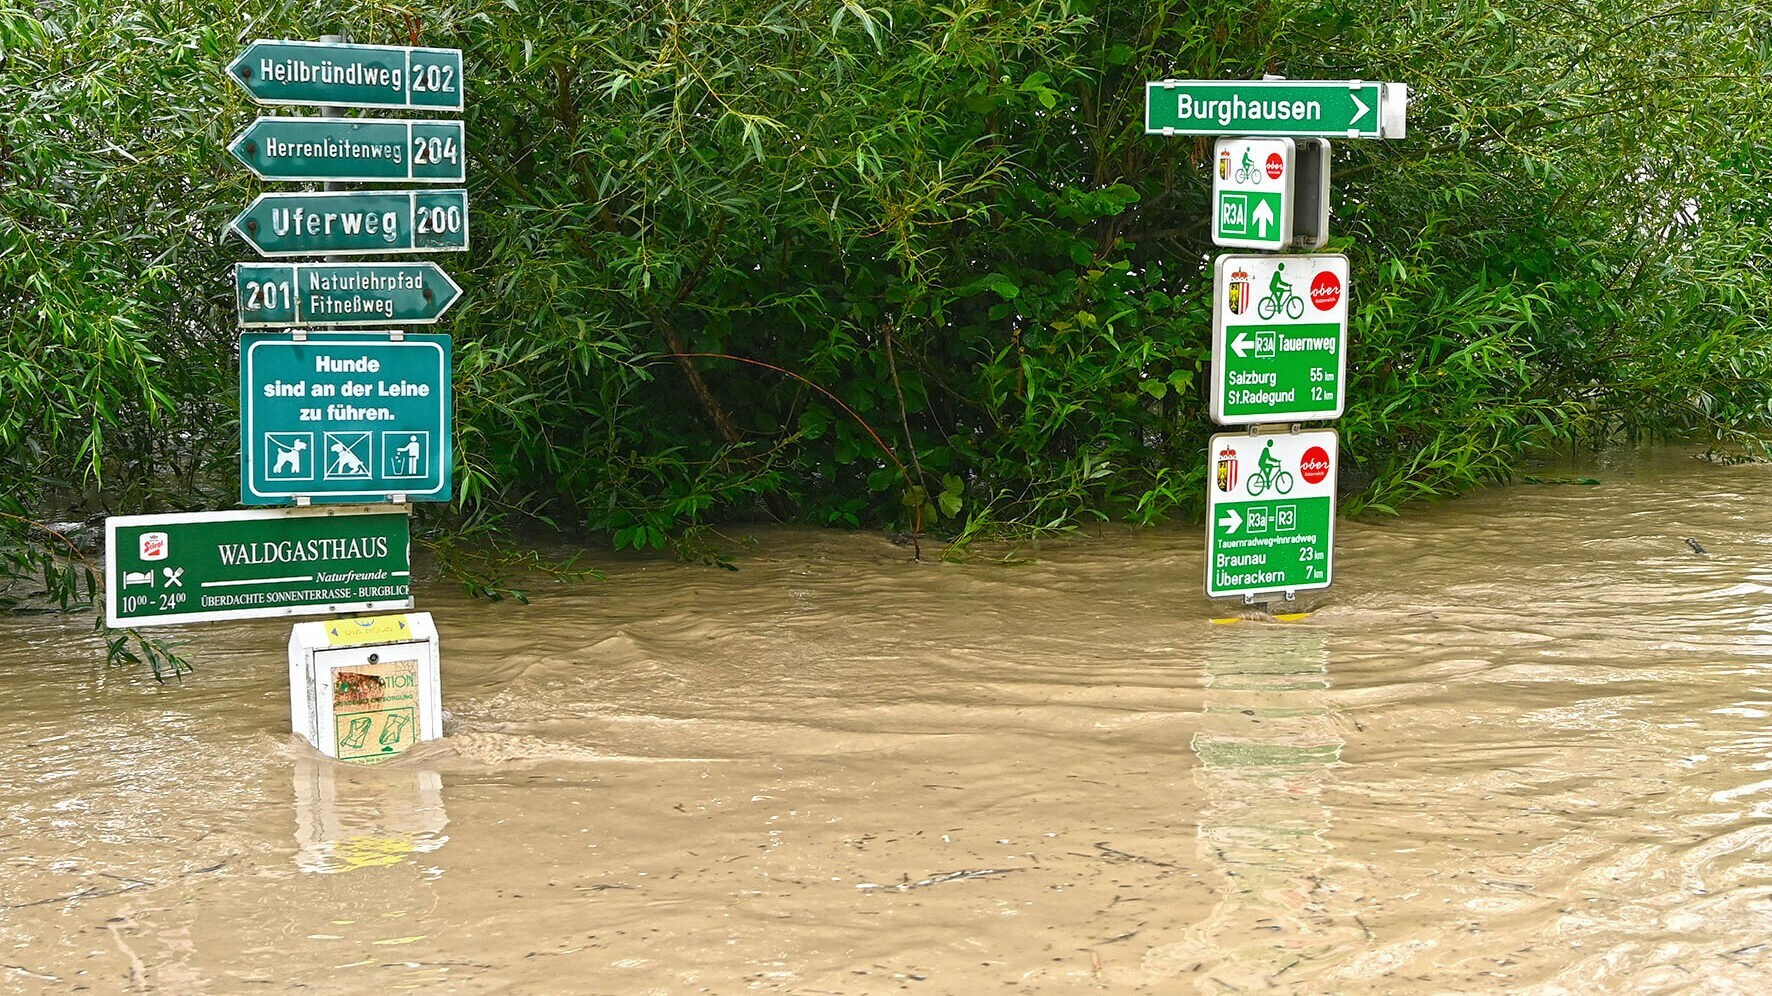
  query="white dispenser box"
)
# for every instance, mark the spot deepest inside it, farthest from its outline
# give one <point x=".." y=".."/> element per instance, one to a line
<point x="365" y="688"/>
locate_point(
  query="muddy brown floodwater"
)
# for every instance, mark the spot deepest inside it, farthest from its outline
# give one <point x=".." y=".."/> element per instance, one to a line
<point x="1522" y="744"/>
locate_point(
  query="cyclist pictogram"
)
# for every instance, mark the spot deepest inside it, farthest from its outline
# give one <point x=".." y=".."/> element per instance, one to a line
<point x="1280" y="298"/>
<point x="1269" y="473"/>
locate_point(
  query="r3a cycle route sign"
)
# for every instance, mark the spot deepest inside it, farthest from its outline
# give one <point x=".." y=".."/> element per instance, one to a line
<point x="1279" y="338"/>
<point x="1270" y="512"/>
<point x="209" y="566"/>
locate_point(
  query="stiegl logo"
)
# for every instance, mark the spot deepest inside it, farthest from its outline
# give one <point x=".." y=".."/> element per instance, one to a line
<point x="153" y="546"/>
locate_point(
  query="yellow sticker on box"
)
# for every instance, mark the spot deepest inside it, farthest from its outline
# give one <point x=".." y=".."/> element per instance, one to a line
<point x="368" y="629"/>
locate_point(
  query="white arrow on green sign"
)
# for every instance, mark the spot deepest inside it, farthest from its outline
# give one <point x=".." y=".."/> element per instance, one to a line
<point x="355" y="223"/>
<point x="344" y="417"/>
<point x="206" y="566"/>
<point x="1321" y="108"/>
<point x="342" y="294"/>
<point x="356" y="149"/>
<point x="1270" y="512"/>
<point x="307" y="72"/>
<point x="1252" y="192"/>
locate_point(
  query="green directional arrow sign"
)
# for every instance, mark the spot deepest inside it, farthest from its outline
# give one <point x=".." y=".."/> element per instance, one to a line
<point x="357" y="223"/>
<point x="1252" y="193"/>
<point x="1270" y="512"/>
<point x="342" y="294"/>
<point x="353" y="149"/>
<point x="205" y="566"/>
<point x="1321" y="108"/>
<point x="1279" y="338"/>
<point x="305" y="72"/>
<point x="342" y="417"/>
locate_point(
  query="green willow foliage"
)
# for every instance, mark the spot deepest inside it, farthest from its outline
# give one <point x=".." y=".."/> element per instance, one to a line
<point x="903" y="264"/>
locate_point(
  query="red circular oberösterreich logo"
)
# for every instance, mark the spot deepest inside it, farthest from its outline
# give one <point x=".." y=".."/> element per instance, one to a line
<point x="1326" y="290"/>
<point x="1275" y="165"/>
<point x="1314" y="465"/>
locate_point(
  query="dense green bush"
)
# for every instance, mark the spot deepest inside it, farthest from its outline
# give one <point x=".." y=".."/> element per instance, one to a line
<point x="908" y="265"/>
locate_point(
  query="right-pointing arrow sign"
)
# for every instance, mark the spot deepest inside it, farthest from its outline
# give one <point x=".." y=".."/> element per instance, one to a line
<point x="1231" y="520"/>
<point x="1325" y="108"/>
<point x="299" y="294"/>
<point x="1360" y="113"/>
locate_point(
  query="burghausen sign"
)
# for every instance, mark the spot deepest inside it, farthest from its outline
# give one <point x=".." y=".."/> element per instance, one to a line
<point x="306" y="72"/>
<point x="1319" y="108"/>
<point x="355" y="223"/>
<point x="353" y="149"/>
<point x="204" y="566"/>
<point x="349" y="294"/>
<point x="337" y="417"/>
<point x="1279" y="338"/>
<point x="1270" y="513"/>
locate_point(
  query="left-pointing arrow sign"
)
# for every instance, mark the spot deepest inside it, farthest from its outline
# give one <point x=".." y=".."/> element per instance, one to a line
<point x="355" y="223"/>
<point x="353" y="149"/>
<point x="353" y="294"/>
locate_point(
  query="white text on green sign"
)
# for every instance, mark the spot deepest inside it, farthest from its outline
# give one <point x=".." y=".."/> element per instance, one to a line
<point x="1279" y="338"/>
<point x="359" y="149"/>
<point x="1321" y="108"/>
<point x="1270" y="512"/>
<point x="204" y="566"/>
<point x="359" y="223"/>
<point x="344" y="417"/>
<point x="306" y="72"/>
<point x="341" y="294"/>
<point x="1252" y="193"/>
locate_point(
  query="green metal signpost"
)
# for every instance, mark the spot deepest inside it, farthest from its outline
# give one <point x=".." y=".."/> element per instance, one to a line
<point x="1270" y="513"/>
<point x="1320" y="108"/>
<point x="205" y="566"/>
<point x="307" y="72"/>
<point x="353" y="149"/>
<point x="355" y="223"/>
<point x="1279" y="338"/>
<point x="342" y="294"/>
<point x="344" y="417"/>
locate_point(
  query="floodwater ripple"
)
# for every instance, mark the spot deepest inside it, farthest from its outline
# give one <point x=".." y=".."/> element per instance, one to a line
<point x="1522" y="744"/>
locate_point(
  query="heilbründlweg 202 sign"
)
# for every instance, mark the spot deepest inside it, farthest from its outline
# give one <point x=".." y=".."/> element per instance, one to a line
<point x="205" y="566"/>
<point x="311" y="72"/>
